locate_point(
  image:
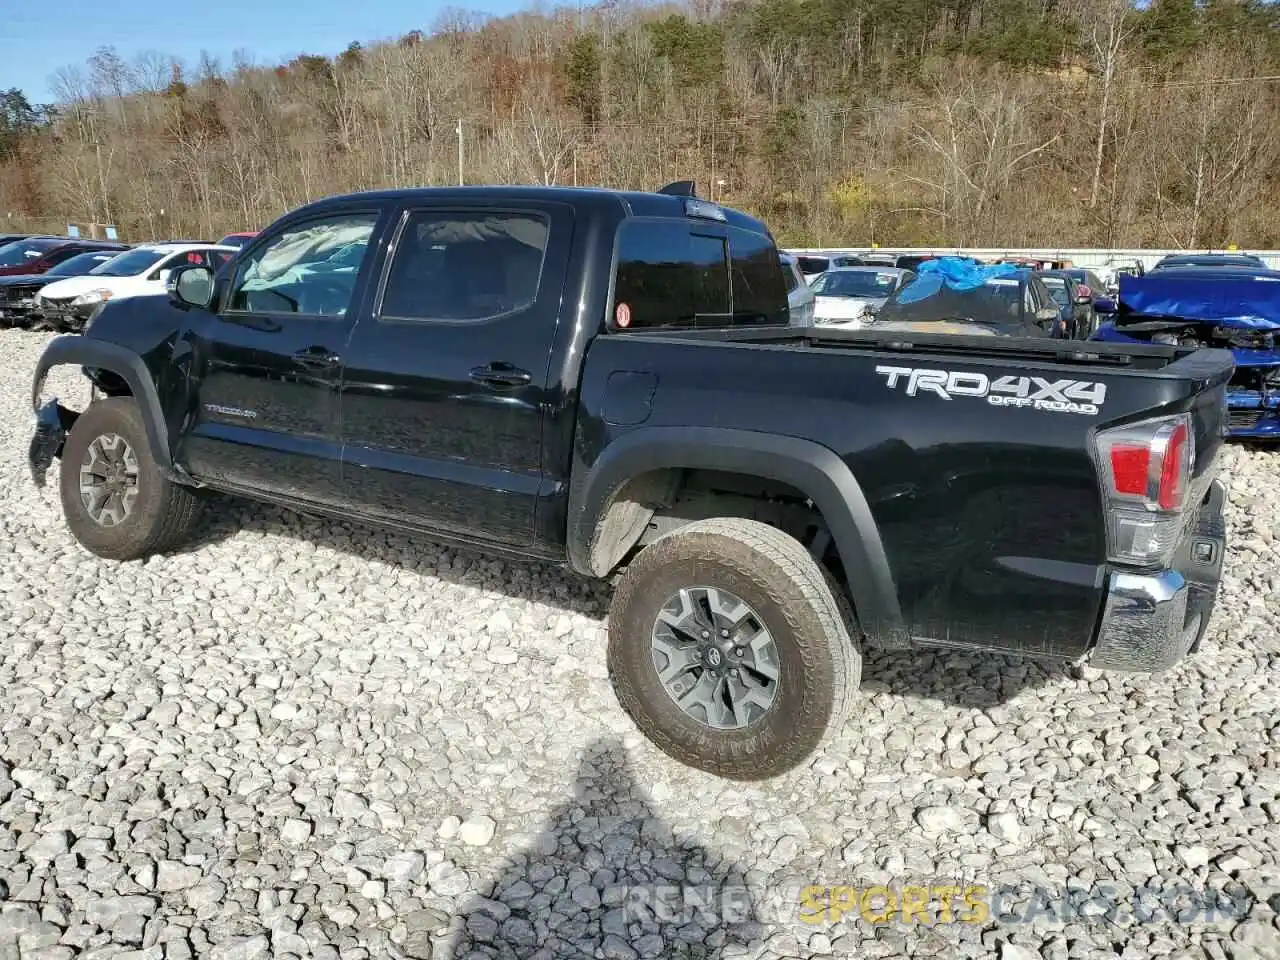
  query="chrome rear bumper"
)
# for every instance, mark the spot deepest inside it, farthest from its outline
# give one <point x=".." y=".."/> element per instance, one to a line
<point x="1152" y="620"/>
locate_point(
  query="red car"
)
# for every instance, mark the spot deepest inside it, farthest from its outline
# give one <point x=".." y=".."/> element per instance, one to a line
<point x="236" y="239"/>
<point x="35" y="255"/>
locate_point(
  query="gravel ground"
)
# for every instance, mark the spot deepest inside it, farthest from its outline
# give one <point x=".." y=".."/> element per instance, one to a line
<point x="303" y="738"/>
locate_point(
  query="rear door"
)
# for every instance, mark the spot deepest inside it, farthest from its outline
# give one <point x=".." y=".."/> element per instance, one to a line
<point x="447" y="378"/>
<point x="267" y="365"/>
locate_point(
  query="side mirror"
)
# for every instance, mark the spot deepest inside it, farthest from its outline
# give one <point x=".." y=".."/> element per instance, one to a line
<point x="1104" y="305"/>
<point x="1047" y="315"/>
<point x="190" y="286"/>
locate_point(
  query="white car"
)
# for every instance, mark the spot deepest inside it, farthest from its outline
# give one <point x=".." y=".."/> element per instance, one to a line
<point x="137" y="272"/>
<point x="800" y="297"/>
<point x="847" y="296"/>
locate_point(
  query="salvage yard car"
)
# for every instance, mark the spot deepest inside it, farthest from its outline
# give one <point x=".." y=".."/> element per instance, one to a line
<point x="956" y="294"/>
<point x="18" y="291"/>
<point x="848" y="295"/>
<point x="67" y="304"/>
<point x="607" y="380"/>
<point x="1236" y="308"/>
<point x="800" y="296"/>
<point x="36" y="255"/>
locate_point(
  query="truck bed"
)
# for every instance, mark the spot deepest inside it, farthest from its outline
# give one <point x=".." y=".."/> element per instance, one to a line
<point x="975" y="454"/>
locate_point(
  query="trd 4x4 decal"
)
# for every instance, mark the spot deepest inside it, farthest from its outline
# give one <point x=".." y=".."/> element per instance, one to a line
<point x="1060" y="396"/>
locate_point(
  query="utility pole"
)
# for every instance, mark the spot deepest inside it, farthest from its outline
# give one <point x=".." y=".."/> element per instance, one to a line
<point x="459" y="151"/>
<point x="102" y="182"/>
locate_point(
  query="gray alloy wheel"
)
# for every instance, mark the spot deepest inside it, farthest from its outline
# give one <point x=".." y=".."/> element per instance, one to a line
<point x="109" y="479"/>
<point x="715" y="658"/>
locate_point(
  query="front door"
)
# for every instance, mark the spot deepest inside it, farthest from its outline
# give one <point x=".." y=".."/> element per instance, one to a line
<point x="267" y="365"/>
<point x="447" y="379"/>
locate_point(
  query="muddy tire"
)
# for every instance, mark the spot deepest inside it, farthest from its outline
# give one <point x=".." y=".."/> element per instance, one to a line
<point x="115" y="499"/>
<point x="729" y="649"/>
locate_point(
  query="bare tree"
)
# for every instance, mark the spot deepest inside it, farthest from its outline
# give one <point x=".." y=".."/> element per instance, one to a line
<point x="1109" y="31"/>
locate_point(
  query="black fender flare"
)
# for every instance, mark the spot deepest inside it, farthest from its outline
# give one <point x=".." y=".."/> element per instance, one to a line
<point x="124" y="363"/>
<point x="811" y="468"/>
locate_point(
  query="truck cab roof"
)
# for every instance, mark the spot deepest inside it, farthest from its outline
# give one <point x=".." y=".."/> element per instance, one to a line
<point x="632" y="203"/>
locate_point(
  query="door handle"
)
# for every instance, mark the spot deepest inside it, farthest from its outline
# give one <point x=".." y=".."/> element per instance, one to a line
<point x="316" y="357"/>
<point x="501" y="374"/>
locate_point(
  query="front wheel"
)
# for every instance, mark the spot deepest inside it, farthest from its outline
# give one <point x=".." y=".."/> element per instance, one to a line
<point x="730" y="651"/>
<point x="116" y="500"/>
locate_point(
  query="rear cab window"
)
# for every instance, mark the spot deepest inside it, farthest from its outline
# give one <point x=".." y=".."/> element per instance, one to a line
<point x="674" y="274"/>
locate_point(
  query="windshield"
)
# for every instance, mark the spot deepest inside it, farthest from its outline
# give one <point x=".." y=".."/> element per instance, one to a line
<point x="1057" y="289"/>
<point x="129" y="264"/>
<point x="81" y="263"/>
<point x="25" y="251"/>
<point x="855" y="283"/>
<point x="996" y="301"/>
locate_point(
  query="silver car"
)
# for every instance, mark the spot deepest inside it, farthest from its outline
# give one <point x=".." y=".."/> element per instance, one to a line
<point x="800" y="298"/>
<point x="847" y="296"/>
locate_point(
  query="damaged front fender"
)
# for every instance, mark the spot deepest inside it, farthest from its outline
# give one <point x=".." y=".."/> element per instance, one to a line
<point x="53" y="421"/>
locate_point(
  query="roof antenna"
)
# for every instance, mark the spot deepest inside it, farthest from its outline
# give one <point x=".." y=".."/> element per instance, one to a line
<point x="681" y="188"/>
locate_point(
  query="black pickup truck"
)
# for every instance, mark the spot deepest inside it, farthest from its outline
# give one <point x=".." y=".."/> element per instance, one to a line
<point x="606" y="380"/>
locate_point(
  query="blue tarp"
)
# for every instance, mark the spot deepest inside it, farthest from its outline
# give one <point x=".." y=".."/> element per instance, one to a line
<point x="1246" y="302"/>
<point x="954" y="273"/>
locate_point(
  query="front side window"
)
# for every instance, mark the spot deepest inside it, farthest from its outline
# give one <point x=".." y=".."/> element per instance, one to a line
<point x="1058" y="290"/>
<point x="191" y="258"/>
<point x="310" y="268"/>
<point x="459" y="266"/>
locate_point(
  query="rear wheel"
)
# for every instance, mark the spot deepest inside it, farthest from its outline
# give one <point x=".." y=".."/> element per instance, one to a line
<point x="116" y="500"/>
<point x="729" y="649"/>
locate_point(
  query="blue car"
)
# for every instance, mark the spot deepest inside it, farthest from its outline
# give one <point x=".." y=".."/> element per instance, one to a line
<point x="1234" y="308"/>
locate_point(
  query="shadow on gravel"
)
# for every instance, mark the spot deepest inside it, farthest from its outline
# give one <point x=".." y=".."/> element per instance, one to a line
<point x="605" y="877"/>
<point x="964" y="679"/>
<point x="225" y="516"/>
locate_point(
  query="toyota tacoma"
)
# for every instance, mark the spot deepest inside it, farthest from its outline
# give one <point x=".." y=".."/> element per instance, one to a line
<point x="607" y="380"/>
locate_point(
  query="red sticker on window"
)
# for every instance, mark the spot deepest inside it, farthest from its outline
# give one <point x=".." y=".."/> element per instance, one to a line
<point x="622" y="315"/>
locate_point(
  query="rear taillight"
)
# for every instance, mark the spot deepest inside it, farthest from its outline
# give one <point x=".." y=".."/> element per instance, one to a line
<point x="1146" y="475"/>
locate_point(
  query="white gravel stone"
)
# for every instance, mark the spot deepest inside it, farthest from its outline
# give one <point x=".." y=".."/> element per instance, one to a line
<point x="256" y="747"/>
<point x="477" y="831"/>
<point x="295" y="832"/>
<point x="1005" y="826"/>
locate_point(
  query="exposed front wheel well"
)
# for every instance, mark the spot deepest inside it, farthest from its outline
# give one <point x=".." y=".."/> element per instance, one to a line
<point x="109" y="382"/>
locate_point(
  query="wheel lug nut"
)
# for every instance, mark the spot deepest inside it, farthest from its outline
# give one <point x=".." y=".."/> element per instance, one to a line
<point x="733" y="672"/>
<point x="724" y="633"/>
<point x="705" y="634"/>
<point x="738" y="651"/>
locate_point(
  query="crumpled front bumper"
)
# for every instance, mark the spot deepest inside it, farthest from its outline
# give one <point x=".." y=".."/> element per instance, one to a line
<point x="1151" y="620"/>
<point x="1252" y="414"/>
<point x="52" y="423"/>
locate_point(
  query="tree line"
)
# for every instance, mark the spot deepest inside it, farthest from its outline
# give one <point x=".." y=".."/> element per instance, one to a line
<point x="898" y="122"/>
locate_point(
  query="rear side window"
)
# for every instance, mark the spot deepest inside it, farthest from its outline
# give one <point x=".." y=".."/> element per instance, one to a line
<point x="465" y="266"/>
<point x="789" y="277"/>
<point x="672" y="275"/>
<point x="759" y="291"/>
